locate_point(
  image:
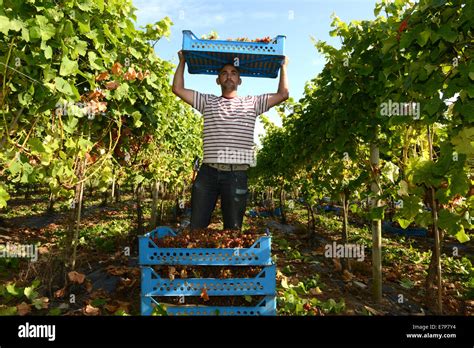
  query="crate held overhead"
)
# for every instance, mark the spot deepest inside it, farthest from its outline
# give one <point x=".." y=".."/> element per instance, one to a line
<point x="255" y="59"/>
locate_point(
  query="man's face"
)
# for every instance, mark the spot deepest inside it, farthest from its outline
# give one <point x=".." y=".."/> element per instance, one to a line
<point x="229" y="78"/>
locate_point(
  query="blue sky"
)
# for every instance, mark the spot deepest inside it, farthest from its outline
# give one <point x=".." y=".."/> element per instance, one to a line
<point x="298" y="20"/>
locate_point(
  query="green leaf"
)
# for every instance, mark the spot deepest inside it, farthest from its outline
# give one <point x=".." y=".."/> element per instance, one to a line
<point x="100" y="5"/>
<point x="54" y="311"/>
<point x="7" y="24"/>
<point x="30" y="293"/>
<point x="404" y="223"/>
<point x="423" y="37"/>
<point x="84" y="26"/>
<point x="377" y="213"/>
<point x="121" y="91"/>
<point x="36" y="145"/>
<point x="136" y="119"/>
<point x="65" y="87"/>
<point x="411" y="207"/>
<point x="5" y="310"/>
<point x="48" y="52"/>
<point x="85" y="5"/>
<point x="68" y="28"/>
<point x="11" y="289"/>
<point x="407" y="283"/>
<point x="464" y="141"/>
<point x="390" y="171"/>
<point x="432" y="106"/>
<point x="68" y="67"/>
<point x="459" y="183"/>
<point x="447" y="33"/>
<point x="94" y="61"/>
<point x="449" y="222"/>
<point x="388" y="44"/>
<point x="98" y="302"/>
<point x="4" y="197"/>
<point x="248" y="298"/>
<point x="4" y="25"/>
<point x="461" y="236"/>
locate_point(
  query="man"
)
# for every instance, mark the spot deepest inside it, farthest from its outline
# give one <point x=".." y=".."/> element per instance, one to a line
<point x="229" y="123"/>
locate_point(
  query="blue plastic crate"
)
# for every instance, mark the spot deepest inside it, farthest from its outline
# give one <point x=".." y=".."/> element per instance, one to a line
<point x="256" y="59"/>
<point x="418" y="232"/>
<point x="265" y="307"/>
<point x="259" y="254"/>
<point x="262" y="284"/>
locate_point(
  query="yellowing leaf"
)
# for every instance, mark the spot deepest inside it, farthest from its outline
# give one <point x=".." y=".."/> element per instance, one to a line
<point x="284" y="282"/>
<point x="23" y="308"/>
<point x="90" y="310"/>
<point x="76" y="277"/>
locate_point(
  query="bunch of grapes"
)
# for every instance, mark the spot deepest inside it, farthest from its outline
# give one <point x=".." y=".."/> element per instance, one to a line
<point x="209" y="238"/>
<point x="224" y="301"/>
<point x="220" y="272"/>
<point x="265" y="39"/>
<point x="214" y="36"/>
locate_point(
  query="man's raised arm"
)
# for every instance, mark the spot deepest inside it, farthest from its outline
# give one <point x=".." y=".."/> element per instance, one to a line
<point x="178" y="82"/>
<point x="283" y="93"/>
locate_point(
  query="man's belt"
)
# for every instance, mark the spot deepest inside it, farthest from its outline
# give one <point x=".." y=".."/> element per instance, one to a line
<point x="228" y="167"/>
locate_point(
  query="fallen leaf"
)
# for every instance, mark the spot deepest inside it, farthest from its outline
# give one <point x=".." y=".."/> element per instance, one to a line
<point x="89" y="286"/>
<point x="117" y="69"/>
<point x="131" y="74"/>
<point x="41" y="303"/>
<point x="102" y="76"/>
<point x="392" y="276"/>
<point x="63" y="306"/>
<point x="76" y="277"/>
<point x="184" y="274"/>
<point x="111" y="308"/>
<point x="337" y="264"/>
<point x="90" y="310"/>
<point x="171" y="272"/>
<point x="111" y="85"/>
<point x="371" y="310"/>
<point x="60" y="293"/>
<point x="123" y="305"/>
<point x="284" y="282"/>
<point x="23" y="308"/>
<point x="315" y="291"/>
<point x="204" y="295"/>
<point x="117" y="271"/>
<point x="347" y="276"/>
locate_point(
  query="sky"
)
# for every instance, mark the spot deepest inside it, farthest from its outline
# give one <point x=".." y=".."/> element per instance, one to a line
<point x="298" y="20"/>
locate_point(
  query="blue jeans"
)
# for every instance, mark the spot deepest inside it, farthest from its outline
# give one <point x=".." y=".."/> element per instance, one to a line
<point x="209" y="184"/>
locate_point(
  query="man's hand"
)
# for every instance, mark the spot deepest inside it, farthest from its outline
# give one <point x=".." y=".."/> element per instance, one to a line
<point x="181" y="56"/>
<point x="283" y="93"/>
<point x="178" y="82"/>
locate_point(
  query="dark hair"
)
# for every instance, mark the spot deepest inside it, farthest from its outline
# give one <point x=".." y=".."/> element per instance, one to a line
<point x="222" y="67"/>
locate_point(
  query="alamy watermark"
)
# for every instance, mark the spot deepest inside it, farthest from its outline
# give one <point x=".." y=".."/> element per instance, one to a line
<point x="239" y="156"/>
<point x="19" y="251"/>
<point x="89" y="109"/>
<point x="345" y="251"/>
<point x="392" y="108"/>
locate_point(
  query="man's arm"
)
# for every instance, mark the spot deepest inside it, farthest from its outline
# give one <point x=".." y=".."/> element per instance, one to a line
<point x="178" y="82"/>
<point x="283" y="93"/>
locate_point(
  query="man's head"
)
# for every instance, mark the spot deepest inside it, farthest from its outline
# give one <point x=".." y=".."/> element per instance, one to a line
<point x="229" y="78"/>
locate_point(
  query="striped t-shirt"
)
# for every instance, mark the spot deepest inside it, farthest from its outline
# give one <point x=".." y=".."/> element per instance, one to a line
<point x="229" y="126"/>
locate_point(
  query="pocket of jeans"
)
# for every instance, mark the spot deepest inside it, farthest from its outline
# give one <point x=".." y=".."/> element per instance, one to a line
<point x="240" y="180"/>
